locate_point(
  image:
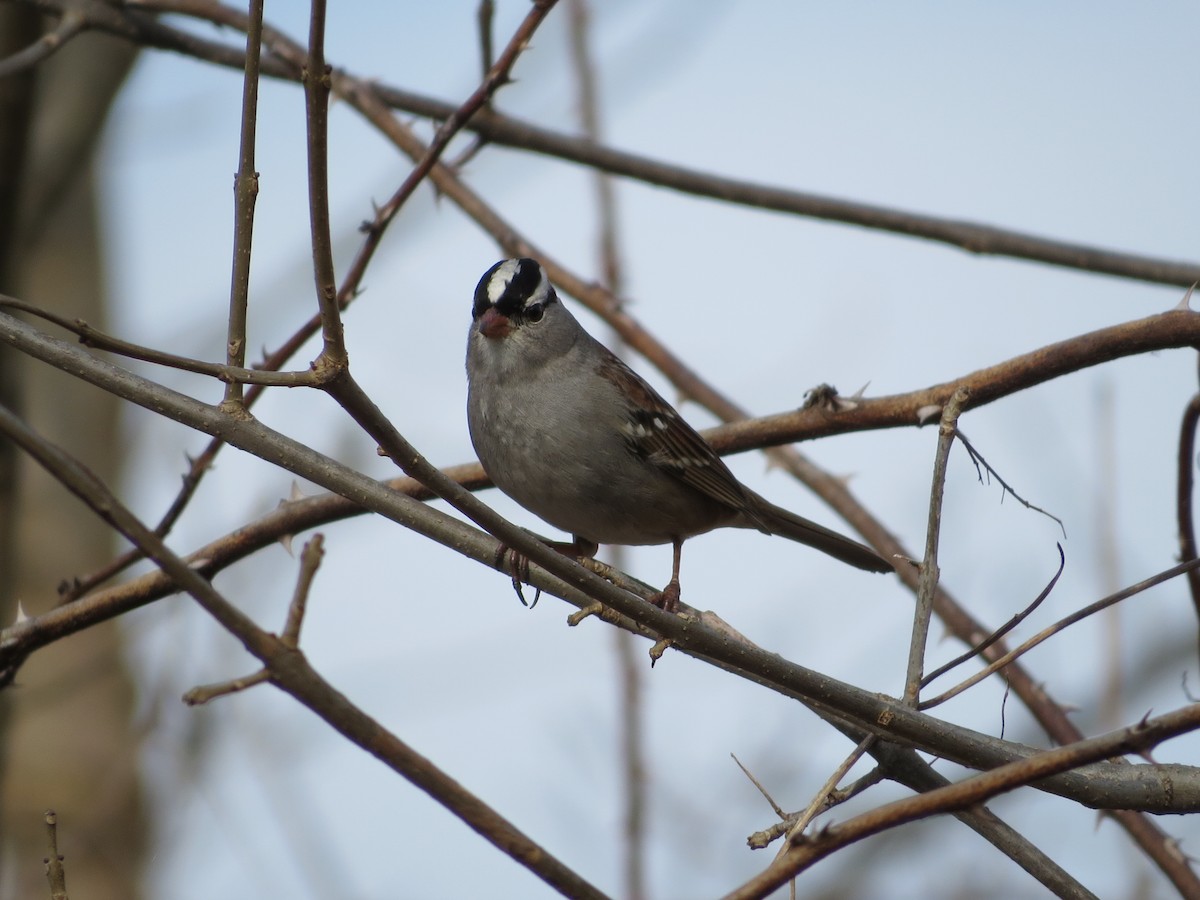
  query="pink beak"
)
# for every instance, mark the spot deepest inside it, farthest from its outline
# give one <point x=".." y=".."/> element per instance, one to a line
<point x="493" y="324"/>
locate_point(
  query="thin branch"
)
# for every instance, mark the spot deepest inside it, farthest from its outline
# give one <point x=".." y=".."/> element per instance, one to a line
<point x="310" y="561"/>
<point x="204" y="693"/>
<point x="71" y="24"/>
<point x="510" y="132"/>
<point x="760" y="840"/>
<point x="1004" y="629"/>
<point x="485" y="16"/>
<point x="876" y="714"/>
<point x="1137" y="738"/>
<point x="823" y="799"/>
<point x="291" y="672"/>
<point x="1173" y="788"/>
<point x="316" y="107"/>
<point x="56" y="873"/>
<point x="1183" y="496"/>
<point x="245" y="190"/>
<point x="1061" y="625"/>
<point x="494" y="79"/>
<point x="908" y="769"/>
<point x="928" y="580"/>
<point x="979" y="461"/>
<point x="92" y="337"/>
<point x="458" y="118"/>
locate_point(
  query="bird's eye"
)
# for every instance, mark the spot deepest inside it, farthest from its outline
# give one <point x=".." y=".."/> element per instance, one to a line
<point x="534" y="314"/>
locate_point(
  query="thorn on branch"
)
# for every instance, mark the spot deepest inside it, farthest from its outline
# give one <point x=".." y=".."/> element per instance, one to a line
<point x="1185" y="303"/>
<point x="927" y="414"/>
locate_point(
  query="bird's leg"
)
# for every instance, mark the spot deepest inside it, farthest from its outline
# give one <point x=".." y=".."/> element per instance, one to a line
<point x="668" y="598"/>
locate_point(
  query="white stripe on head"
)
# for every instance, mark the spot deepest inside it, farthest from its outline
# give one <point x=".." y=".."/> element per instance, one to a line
<point x="500" y="279"/>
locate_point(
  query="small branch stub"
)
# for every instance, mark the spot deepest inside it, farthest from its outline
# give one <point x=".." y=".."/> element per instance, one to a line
<point x="56" y="873"/>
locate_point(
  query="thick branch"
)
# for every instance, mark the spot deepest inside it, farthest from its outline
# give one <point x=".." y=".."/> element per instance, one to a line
<point x="291" y="672"/>
<point x="964" y="794"/>
<point x="1163" y="788"/>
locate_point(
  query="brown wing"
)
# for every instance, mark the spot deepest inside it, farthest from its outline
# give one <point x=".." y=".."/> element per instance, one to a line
<point x="658" y="434"/>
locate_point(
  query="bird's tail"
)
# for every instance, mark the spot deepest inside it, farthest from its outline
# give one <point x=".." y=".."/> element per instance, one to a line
<point x="789" y="525"/>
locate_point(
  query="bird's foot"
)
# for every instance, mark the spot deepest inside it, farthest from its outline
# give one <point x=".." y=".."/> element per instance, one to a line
<point x="668" y="598"/>
<point x="517" y="563"/>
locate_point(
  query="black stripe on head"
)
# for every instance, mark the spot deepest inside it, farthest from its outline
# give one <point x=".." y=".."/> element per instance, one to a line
<point x="515" y="287"/>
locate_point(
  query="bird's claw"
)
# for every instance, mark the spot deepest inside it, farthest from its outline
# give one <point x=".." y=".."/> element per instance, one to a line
<point x="517" y="565"/>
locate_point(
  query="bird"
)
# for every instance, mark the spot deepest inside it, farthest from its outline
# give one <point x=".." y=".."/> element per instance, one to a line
<point x="571" y="433"/>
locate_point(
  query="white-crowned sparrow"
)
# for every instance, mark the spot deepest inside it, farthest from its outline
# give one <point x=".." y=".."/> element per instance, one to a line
<point x="571" y="433"/>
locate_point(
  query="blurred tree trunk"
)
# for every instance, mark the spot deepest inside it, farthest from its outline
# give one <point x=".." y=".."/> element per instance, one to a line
<point x="65" y="728"/>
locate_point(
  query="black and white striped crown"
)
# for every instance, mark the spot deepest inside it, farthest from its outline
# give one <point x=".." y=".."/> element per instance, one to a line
<point x="513" y="287"/>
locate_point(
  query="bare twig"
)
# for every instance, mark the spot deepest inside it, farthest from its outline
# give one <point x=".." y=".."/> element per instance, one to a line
<point x="1137" y="738"/>
<point x="204" y="693"/>
<point x="1173" y="329"/>
<point x="92" y="337"/>
<point x="56" y="873"/>
<point x="980" y="462"/>
<point x="928" y="580"/>
<point x="761" y="789"/>
<point x="245" y="189"/>
<point x="1183" y="495"/>
<point x="262" y="373"/>
<point x="1061" y="625"/>
<point x="316" y="81"/>
<point x="291" y="672"/>
<point x="498" y="75"/>
<point x="73" y="22"/>
<point x="1174" y="789"/>
<point x="310" y="561"/>
<point x="507" y="131"/>
<point x="823" y="798"/>
<point x="1004" y="629"/>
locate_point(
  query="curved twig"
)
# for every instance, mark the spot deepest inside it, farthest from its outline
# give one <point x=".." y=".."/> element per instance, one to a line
<point x="1191" y="565"/>
<point x="1146" y="734"/>
<point x="1183" y="496"/>
<point x="1004" y="629"/>
<point x="72" y="23"/>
